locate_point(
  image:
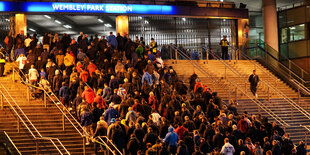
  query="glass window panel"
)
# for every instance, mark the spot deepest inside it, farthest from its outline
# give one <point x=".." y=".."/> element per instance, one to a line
<point x="296" y="16"/>
<point x="297" y="49"/>
<point x="297" y="32"/>
<point x="282" y="19"/>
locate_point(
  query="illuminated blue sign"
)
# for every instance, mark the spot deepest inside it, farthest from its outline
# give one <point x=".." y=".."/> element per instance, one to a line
<point x="86" y="8"/>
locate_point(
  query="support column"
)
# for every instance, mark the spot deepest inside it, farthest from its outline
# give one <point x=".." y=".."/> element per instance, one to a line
<point x="20" y="24"/>
<point x="271" y="24"/>
<point x="122" y="25"/>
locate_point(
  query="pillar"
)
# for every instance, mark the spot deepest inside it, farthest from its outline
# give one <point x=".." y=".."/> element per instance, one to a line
<point x="20" y="24"/>
<point x="122" y="25"/>
<point x="270" y="24"/>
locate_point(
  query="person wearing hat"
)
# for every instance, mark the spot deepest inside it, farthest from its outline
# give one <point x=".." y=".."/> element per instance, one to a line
<point x="224" y="45"/>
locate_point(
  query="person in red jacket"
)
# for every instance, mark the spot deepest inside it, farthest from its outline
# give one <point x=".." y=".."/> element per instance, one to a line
<point x="89" y="95"/>
<point x="180" y="130"/>
<point x="243" y="125"/>
<point x="99" y="100"/>
<point x="153" y="102"/>
<point x="91" y="68"/>
<point x="84" y="75"/>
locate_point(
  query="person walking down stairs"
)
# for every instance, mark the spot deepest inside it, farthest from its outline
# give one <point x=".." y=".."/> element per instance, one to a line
<point x="253" y="79"/>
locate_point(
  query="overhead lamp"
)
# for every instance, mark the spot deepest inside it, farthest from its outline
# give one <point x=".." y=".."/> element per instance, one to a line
<point x="47" y="16"/>
<point x="224" y="20"/>
<point x="100" y="20"/>
<point x="293" y="28"/>
<point x="107" y="25"/>
<point x="6" y="19"/>
<point x="140" y="17"/>
<point x="68" y="26"/>
<point x="146" y="22"/>
<point x="57" y="21"/>
<point x="31" y="29"/>
<point x="184" y="19"/>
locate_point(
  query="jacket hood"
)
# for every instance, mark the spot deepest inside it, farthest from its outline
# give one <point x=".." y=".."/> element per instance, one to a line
<point x="170" y="129"/>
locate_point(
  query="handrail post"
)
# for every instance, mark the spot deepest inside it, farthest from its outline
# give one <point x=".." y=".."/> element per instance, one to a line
<point x="298" y="93"/>
<point x="207" y="55"/>
<point x="28" y="94"/>
<point x="1" y="101"/>
<point x="63" y="122"/>
<point x="302" y="73"/>
<point x="37" y="147"/>
<point x="84" y="147"/>
<point x="18" y="125"/>
<point x="44" y="98"/>
<point x="229" y="98"/>
<point x="176" y="54"/>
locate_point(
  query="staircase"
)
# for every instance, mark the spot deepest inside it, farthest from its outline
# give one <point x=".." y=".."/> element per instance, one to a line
<point x="48" y="121"/>
<point x="274" y="102"/>
<point x="216" y="69"/>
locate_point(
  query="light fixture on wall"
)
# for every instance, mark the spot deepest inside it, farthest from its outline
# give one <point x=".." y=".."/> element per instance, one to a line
<point x="31" y="29"/>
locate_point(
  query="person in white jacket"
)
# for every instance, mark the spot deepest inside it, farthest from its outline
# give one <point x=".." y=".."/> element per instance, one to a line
<point x="227" y="148"/>
<point x="33" y="77"/>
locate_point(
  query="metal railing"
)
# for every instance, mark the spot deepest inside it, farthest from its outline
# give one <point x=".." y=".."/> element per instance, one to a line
<point x="263" y="51"/>
<point x="9" y="143"/>
<point x="37" y="138"/>
<point x="102" y="142"/>
<point x="307" y="131"/>
<point x="237" y="88"/>
<point x="57" y="102"/>
<point x="274" y="89"/>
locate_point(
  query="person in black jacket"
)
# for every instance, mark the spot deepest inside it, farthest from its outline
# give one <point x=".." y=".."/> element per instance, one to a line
<point x="253" y="79"/>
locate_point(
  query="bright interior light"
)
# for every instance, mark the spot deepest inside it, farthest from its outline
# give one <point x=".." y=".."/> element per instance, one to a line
<point x="224" y="20"/>
<point x="293" y="28"/>
<point x="107" y="25"/>
<point x="47" y="16"/>
<point x="140" y="17"/>
<point x="146" y="22"/>
<point x="57" y="21"/>
<point x="67" y="26"/>
<point x="31" y="29"/>
<point x="184" y="19"/>
<point x="8" y="20"/>
<point x="100" y="20"/>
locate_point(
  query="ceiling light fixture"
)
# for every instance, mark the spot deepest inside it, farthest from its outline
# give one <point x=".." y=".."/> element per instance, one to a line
<point x="107" y="25"/>
<point x="146" y="22"/>
<point x="57" y="21"/>
<point x="8" y="20"/>
<point x="100" y="20"/>
<point x="184" y="19"/>
<point x="31" y="29"/>
<point x="47" y="16"/>
<point x="68" y="26"/>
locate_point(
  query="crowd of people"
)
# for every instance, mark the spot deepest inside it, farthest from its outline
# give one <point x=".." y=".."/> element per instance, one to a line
<point x="120" y="88"/>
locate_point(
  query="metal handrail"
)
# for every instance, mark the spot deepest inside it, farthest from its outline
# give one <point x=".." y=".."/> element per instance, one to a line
<point x="270" y="75"/>
<point x="105" y="144"/>
<point x="35" y="137"/>
<point x="279" y="92"/>
<point x="8" y="137"/>
<point x="257" y="102"/>
<point x="278" y="61"/>
<point x="301" y="86"/>
<point x="53" y="102"/>
<point x="112" y="144"/>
